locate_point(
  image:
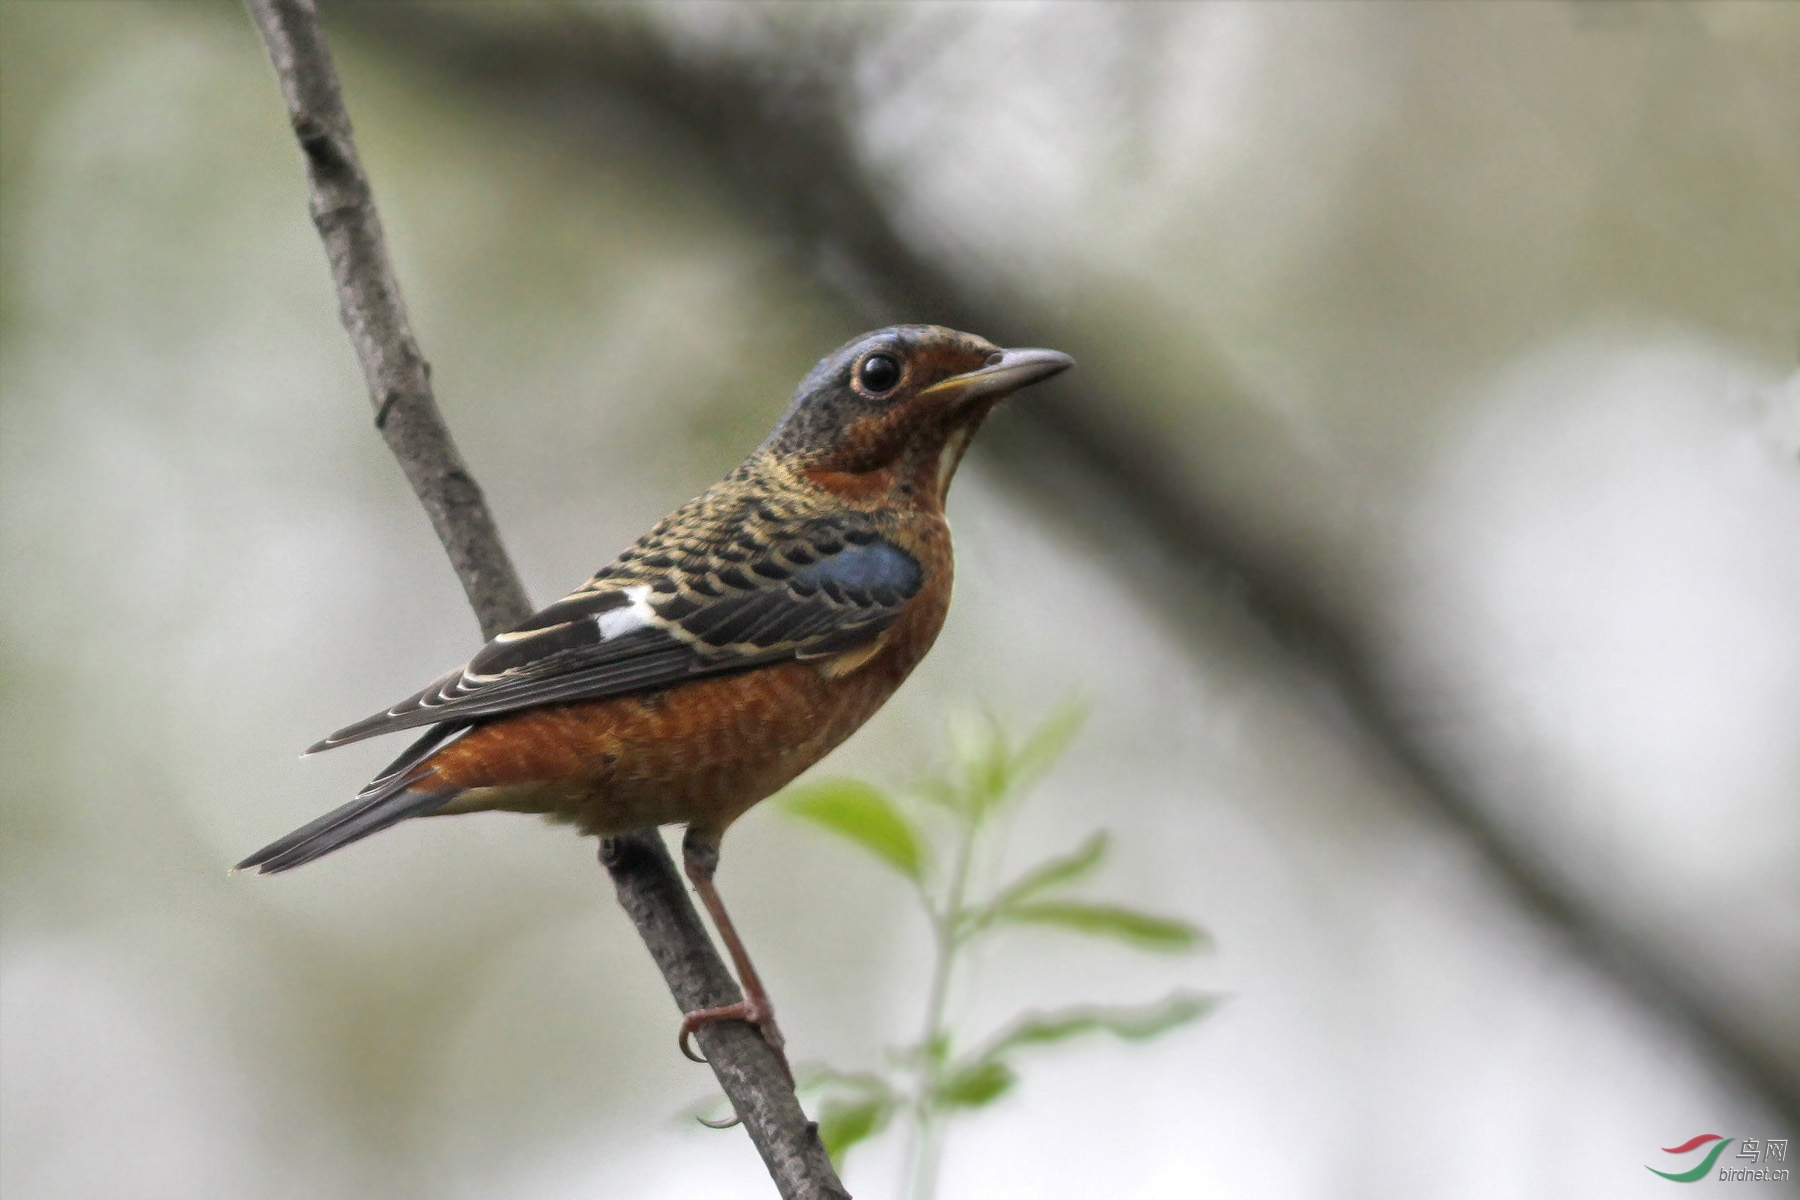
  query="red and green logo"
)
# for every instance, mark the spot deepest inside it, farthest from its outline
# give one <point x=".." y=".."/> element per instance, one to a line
<point x="1719" y="1142"/>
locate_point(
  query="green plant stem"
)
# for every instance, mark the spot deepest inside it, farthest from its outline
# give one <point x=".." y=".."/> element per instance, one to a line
<point x="924" y="1148"/>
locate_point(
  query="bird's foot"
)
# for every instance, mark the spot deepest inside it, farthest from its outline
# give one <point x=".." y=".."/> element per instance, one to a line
<point x="755" y="1012"/>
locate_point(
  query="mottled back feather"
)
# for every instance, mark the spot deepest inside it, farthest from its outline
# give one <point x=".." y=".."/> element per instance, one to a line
<point x="749" y="573"/>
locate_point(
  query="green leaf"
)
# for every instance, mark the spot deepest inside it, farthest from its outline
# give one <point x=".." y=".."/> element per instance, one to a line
<point x="978" y="744"/>
<point x="1133" y="1024"/>
<point x="1106" y="920"/>
<point x="975" y="1085"/>
<point x="1047" y="743"/>
<point x="1046" y="876"/>
<point x="1055" y="872"/>
<point x="862" y="813"/>
<point x="843" y="1123"/>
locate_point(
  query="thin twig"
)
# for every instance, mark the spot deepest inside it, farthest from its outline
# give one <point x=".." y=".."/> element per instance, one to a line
<point x="925" y="1145"/>
<point x="648" y="885"/>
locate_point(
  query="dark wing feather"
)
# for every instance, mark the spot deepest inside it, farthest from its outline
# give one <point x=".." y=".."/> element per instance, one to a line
<point x="672" y="610"/>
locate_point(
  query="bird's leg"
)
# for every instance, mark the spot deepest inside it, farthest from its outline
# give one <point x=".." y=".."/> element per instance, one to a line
<point x="700" y="856"/>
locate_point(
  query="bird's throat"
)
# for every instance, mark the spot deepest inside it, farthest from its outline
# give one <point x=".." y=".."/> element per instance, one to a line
<point x="921" y="473"/>
<point x="950" y="457"/>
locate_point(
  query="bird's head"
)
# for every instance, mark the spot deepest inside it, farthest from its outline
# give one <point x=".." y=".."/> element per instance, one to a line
<point x="898" y="406"/>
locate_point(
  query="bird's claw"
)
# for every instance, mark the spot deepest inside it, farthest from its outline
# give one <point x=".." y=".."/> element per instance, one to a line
<point x="758" y="1015"/>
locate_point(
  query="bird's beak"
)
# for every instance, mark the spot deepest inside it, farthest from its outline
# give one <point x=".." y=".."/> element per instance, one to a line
<point x="1004" y="372"/>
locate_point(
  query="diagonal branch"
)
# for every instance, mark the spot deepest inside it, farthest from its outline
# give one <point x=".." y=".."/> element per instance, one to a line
<point x="644" y="875"/>
<point x="399" y="378"/>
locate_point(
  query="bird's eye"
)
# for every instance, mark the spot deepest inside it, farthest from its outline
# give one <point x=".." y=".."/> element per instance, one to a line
<point x="878" y="373"/>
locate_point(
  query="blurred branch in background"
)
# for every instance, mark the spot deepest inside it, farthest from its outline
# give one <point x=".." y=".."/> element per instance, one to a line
<point x="649" y="887"/>
<point x="774" y="117"/>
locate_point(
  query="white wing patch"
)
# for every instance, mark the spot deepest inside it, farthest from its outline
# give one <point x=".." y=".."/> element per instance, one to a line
<point x="637" y="615"/>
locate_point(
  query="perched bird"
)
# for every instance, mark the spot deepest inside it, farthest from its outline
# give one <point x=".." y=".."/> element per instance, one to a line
<point x="730" y="648"/>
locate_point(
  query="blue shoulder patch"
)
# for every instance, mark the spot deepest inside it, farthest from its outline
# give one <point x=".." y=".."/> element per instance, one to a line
<point x="878" y="567"/>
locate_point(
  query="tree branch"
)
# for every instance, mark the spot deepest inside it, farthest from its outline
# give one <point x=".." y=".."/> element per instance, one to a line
<point x="343" y="210"/>
<point x="648" y="885"/>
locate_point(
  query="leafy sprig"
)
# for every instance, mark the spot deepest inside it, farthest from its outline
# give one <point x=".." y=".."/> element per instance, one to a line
<point x="931" y="835"/>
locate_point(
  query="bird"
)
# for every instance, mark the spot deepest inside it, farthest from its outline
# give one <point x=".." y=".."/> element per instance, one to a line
<point x="728" y="649"/>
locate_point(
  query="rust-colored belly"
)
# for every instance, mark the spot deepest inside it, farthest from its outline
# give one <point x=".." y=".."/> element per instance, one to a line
<point x="699" y="753"/>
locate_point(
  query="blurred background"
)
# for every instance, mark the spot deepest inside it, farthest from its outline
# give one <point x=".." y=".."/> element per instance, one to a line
<point x="1422" y="526"/>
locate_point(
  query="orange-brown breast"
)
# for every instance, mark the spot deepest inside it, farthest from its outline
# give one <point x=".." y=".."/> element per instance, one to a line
<point x="850" y="486"/>
<point x="699" y="753"/>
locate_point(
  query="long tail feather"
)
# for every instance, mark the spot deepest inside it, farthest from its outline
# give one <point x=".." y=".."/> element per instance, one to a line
<point x="390" y="798"/>
<point x="338" y="828"/>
